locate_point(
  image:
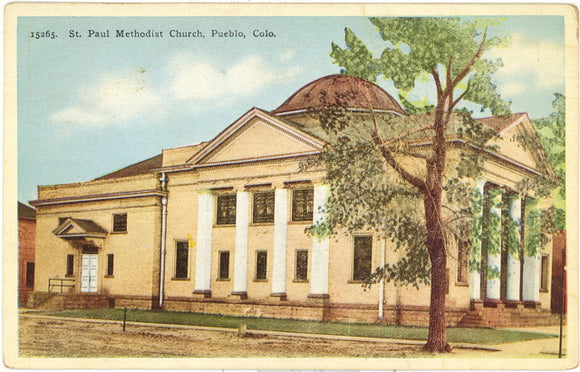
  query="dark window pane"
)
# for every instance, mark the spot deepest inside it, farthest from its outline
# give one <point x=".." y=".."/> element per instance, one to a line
<point x="362" y="257"/>
<point x="120" y="222"/>
<point x="30" y="274"/>
<point x="302" y="205"/>
<point x="226" y="209"/>
<point x="261" y="265"/>
<point x="110" y="264"/>
<point x="545" y="271"/>
<point x="70" y="264"/>
<point x="302" y="265"/>
<point x="181" y="259"/>
<point x="462" y="261"/>
<point x="224" y="269"/>
<point x="264" y="207"/>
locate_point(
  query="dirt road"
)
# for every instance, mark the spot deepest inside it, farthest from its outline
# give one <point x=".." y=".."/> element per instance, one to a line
<point x="66" y="338"/>
<point x="42" y="336"/>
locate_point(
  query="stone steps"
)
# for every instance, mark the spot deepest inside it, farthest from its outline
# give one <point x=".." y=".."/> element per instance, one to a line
<point x="498" y="318"/>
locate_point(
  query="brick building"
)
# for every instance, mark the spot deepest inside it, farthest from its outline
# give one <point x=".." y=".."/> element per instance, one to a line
<point x="26" y="239"/>
<point x="219" y="227"/>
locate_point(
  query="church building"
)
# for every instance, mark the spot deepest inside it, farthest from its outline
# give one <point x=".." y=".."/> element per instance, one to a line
<point x="219" y="227"/>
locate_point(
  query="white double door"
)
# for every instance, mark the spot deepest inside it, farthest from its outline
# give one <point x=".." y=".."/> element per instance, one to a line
<point x="89" y="266"/>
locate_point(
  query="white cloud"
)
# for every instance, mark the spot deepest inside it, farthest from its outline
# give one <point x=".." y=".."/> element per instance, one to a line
<point x="287" y="54"/>
<point x="196" y="79"/>
<point x="113" y="99"/>
<point x="529" y="64"/>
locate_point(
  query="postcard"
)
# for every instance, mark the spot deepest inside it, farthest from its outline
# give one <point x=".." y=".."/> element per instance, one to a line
<point x="290" y="186"/>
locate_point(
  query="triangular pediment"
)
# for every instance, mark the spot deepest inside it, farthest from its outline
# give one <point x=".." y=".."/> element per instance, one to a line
<point x="79" y="228"/>
<point x="510" y="146"/>
<point x="257" y="135"/>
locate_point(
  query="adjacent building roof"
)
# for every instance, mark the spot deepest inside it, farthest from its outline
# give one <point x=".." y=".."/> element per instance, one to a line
<point x="358" y="94"/>
<point x="26" y="212"/>
<point x="499" y="123"/>
<point x="143" y="167"/>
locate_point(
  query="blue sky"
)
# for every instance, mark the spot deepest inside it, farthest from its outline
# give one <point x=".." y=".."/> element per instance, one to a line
<point x="89" y="106"/>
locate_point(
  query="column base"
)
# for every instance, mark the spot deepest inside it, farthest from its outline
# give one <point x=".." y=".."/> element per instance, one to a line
<point x="476" y="304"/>
<point x="281" y="295"/>
<point x="532" y="304"/>
<point x="514" y="304"/>
<point x="206" y="293"/>
<point x="493" y="302"/>
<point x="319" y="295"/>
<point x="241" y="294"/>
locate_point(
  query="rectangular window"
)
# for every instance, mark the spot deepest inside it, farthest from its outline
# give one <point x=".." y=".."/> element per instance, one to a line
<point x="110" y="264"/>
<point x="363" y="246"/>
<point x="226" y="209"/>
<point x="263" y="207"/>
<point x="224" y="269"/>
<point x="261" y="265"/>
<point x="120" y="222"/>
<point x="30" y="274"/>
<point x="462" y="262"/>
<point x="302" y="204"/>
<point x="181" y="259"/>
<point x="70" y="264"/>
<point x="545" y="273"/>
<point x="301" y="265"/>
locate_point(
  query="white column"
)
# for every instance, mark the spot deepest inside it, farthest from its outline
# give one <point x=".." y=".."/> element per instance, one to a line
<point x="280" y="231"/>
<point x="532" y="253"/>
<point x="494" y="253"/>
<point x="514" y="267"/>
<point x="204" y="232"/>
<point x="320" y="244"/>
<point x="475" y="287"/>
<point x="241" y="248"/>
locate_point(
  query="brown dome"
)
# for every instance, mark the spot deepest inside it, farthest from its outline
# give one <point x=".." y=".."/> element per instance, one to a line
<point x="366" y="95"/>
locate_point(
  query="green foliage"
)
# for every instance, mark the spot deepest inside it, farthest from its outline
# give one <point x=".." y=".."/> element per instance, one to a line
<point x="492" y="272"/>
<point x="417" y="46"/>
<point x="477" y="231"/>
<point x="552" y="134"/>
<point x="532" y="233"/>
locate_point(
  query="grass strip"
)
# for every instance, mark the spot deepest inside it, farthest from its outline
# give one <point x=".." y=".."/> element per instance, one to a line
<point x="465" y="335"/>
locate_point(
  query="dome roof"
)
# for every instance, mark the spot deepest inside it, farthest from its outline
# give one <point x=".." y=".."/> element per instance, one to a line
<point x="366" y="95"/>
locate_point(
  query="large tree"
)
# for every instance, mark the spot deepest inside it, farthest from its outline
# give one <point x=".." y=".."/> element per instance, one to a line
<point x="379" y="168"/>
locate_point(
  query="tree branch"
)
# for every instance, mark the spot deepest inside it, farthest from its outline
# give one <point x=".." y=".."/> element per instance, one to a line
<point x="459" y="98"/>
<point x="437" y="81"/>
<point x="448" y="77"/>
<point x="390" y="159"/>
<point x="468" y="66"/>
<point x="406" y="134"/>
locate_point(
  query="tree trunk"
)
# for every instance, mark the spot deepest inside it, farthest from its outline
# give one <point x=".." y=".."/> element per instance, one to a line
<point x="437" y="341"/>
